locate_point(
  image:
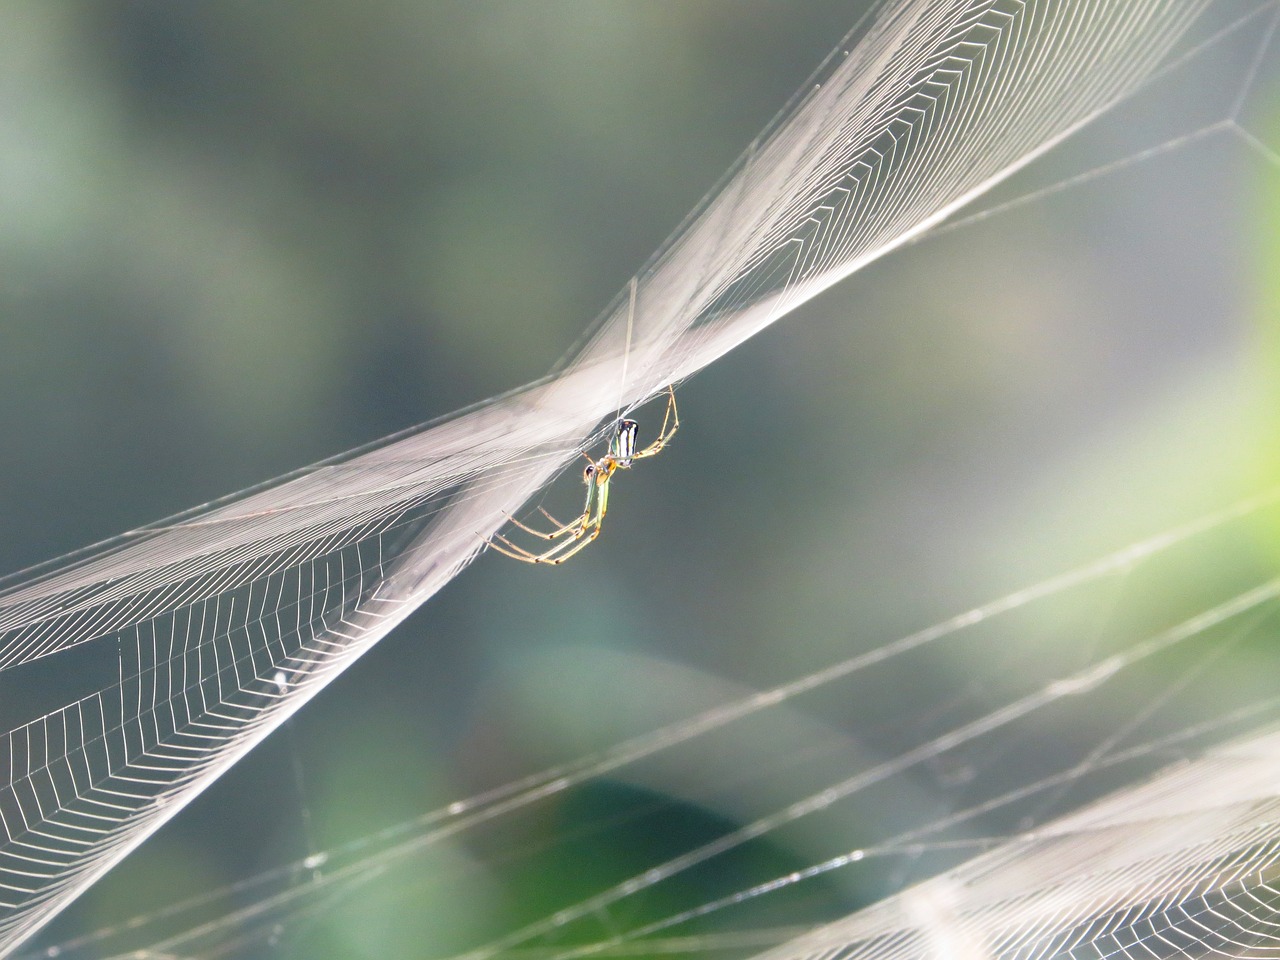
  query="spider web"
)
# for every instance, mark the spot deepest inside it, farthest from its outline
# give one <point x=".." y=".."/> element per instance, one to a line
<point x="205" y="632"/>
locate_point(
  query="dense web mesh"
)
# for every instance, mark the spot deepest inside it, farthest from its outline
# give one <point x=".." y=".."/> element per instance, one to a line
<point x="192" y="639"/>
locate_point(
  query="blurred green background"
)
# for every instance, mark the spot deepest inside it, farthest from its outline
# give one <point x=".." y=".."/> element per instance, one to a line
<point x="239" y="237"/>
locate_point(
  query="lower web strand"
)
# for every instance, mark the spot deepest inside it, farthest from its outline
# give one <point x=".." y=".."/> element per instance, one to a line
<point x="310" y="884"/>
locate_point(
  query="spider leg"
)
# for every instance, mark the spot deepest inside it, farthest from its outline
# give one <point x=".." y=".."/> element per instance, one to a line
<point x="514" y="551"/>
<point x="559" y="526"/>
<point x="557" y="554"/>
<point x="573" y="546"/>
<point x="577" y="526"/>
<point x="584" y="529"/>
<point x="560" y="529"/>
<point x="580" y="522"/>
<point x="671" y="418"/>
<point x="590" y="529"/>
<point x="565" y="549"/>
<point x="553" y="555"/>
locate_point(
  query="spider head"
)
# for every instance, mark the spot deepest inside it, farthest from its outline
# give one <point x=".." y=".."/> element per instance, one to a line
<point x="599" y="471"/>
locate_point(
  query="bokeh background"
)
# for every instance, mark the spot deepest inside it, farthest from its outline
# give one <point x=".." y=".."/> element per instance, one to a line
<point x="236" y="238"/>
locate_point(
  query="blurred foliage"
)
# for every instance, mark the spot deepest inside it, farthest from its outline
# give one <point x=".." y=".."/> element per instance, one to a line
<point x="238" y="237"/>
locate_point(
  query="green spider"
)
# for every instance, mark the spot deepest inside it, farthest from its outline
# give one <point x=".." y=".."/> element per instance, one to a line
<point x="581" y="530"/>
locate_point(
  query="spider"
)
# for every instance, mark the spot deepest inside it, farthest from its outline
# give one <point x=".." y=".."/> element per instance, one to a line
<point x="584" y="528"/>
